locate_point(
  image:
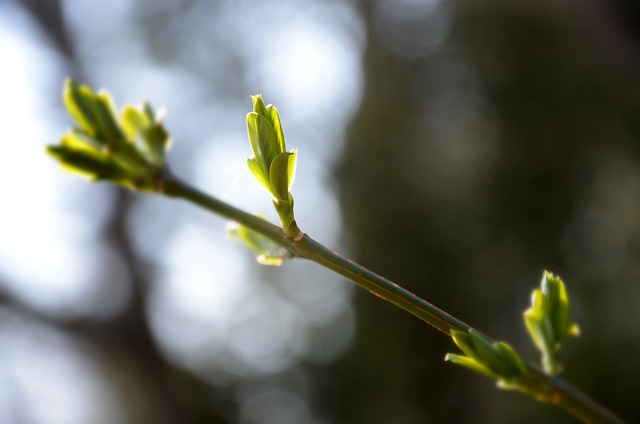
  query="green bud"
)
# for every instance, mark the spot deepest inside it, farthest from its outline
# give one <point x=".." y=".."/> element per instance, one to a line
<point x="271" y="164"/>
<point x="129" y="153"/>
<point x="493" y="359"/>
<point x="548" y="321"/>
<point x="264" y="141"/>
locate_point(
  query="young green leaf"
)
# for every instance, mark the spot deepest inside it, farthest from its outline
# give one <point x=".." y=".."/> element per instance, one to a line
<point x="109" y="130"/>
<point x="496" y="360"/>
<point x="514" y="363"/>
<point x="258" y="105"/>
<point x="282" y="173"/>
<point x="158" y="142"/>
<point x="463" y="341"/>
<point x="274" y="118"/>
<point x="78" y="100"/>
<point x="147" y="135"/>
<point x="84" y="163"/>
<point x="76" y="140"/>
<point x="264" y="141"/>
<point x="258" y="173"/>
<point x="134" y="122"/>
<point x="470" y="363"/>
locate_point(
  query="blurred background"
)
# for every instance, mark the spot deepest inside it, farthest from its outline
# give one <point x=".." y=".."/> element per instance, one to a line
<point x="457" y="147"/>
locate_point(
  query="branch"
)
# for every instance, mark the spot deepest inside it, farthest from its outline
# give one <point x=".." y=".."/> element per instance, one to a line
<point x="130" y="151"/>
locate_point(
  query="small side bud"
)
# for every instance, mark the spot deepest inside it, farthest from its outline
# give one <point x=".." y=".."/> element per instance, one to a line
<point x="266" y="250"/>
